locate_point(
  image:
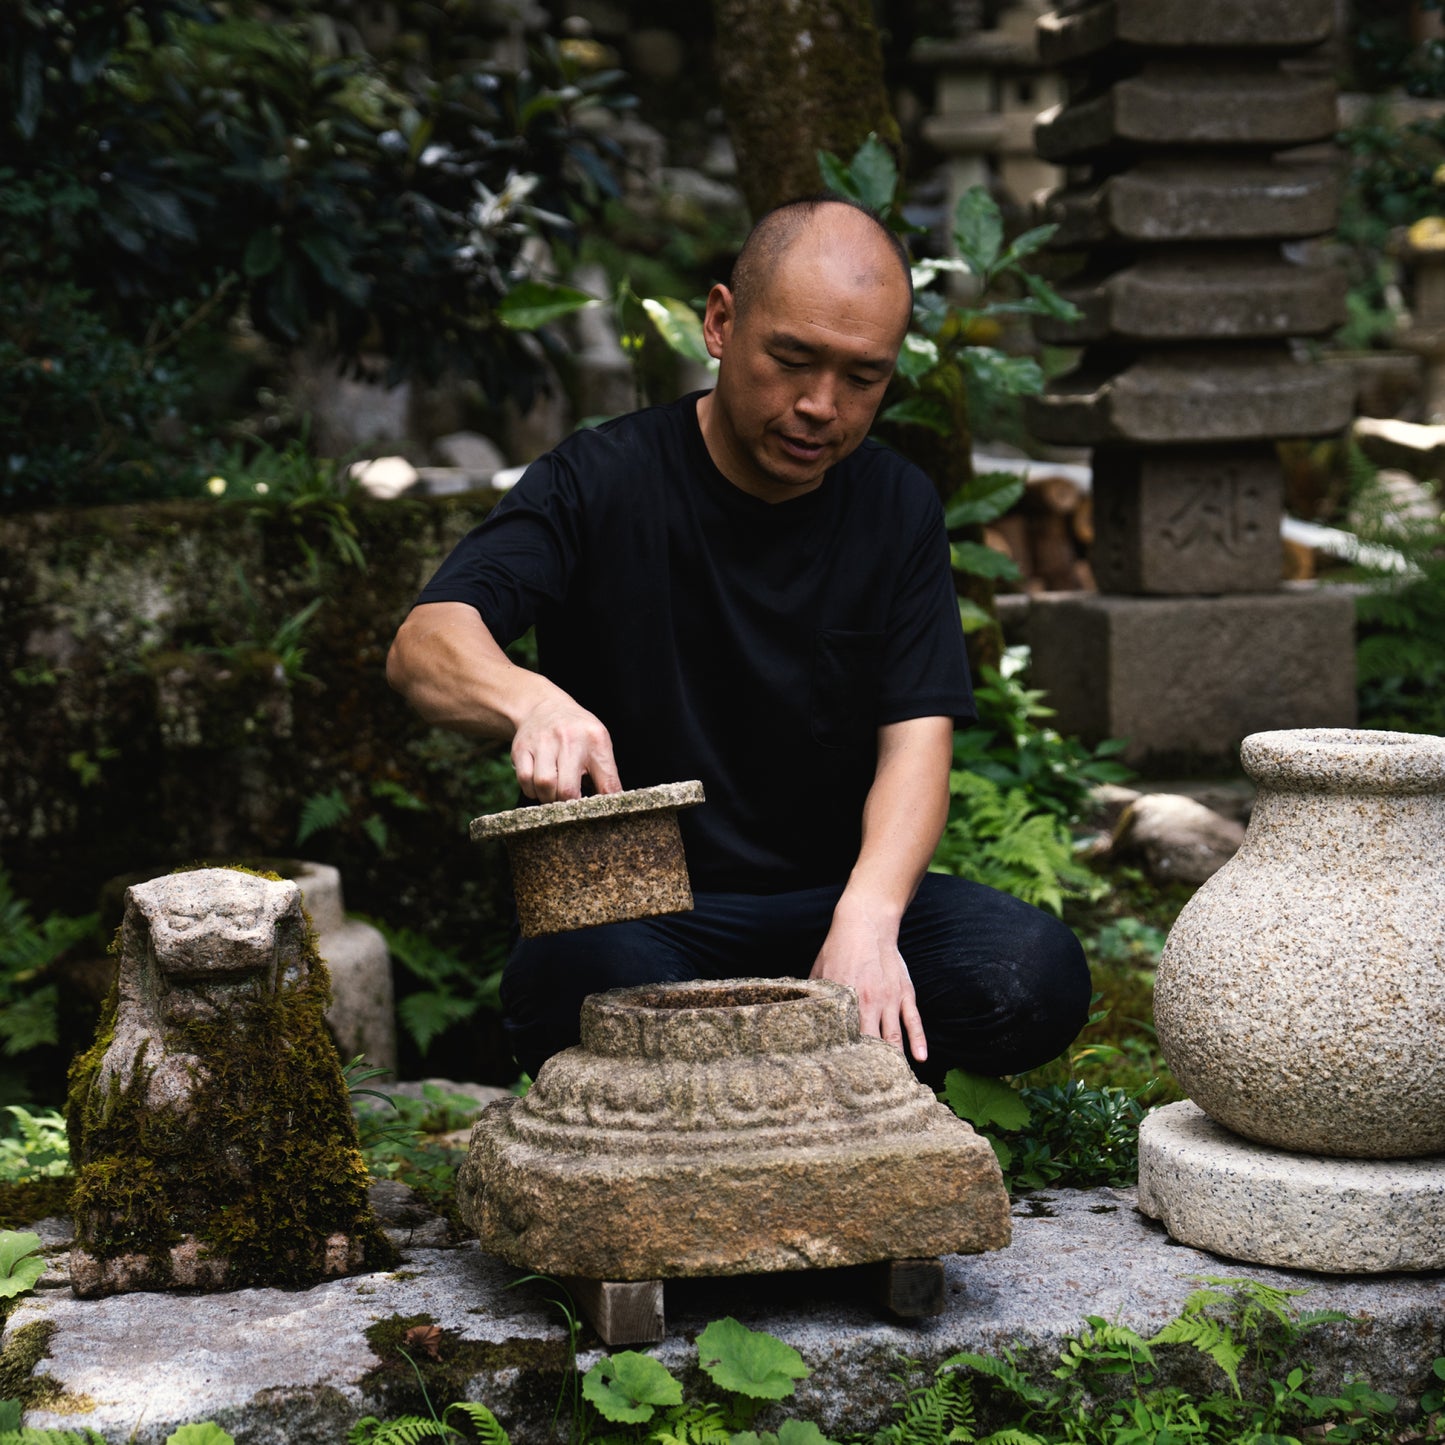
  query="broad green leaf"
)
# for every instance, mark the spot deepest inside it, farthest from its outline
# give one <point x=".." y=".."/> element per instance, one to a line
<point x="535" y="303"/>
<point x="801" y="1432"/>
<point x="1029" y="242"/>
<point x="982" y="1100"/>
<point x="983" y="561"/>
<point x="920" y="411"/>
<point x="875" y="174"/>
<point x="987" y="496"/>
<point x="680" y="326"/>
<point x="206" y="1433"/>
<point x="836" y="176"/>
<point x="626" y="1388"/>
<point x="917" y="356"/>
<point x="1011" y="375"/>
<point x="1049" y="301"/>
<point x="972" y="617"/>
<point x="9" y="1415"/>
<point x="20" y="1266"/>
<point x="978" y="229"/>
<point x="263" y="253"/>
<point x="1004" y="1154"/>
<point x="749" y="1362"/>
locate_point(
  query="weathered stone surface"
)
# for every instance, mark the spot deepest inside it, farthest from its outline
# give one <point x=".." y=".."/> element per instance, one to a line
<point x="1216" y="1191"/>
<point x="362" y="1011"/>
<point x="1077" y="30"/>
<point x="1185" y="679"/>
<point x="1189" y="104"/>
<point x="279" y="1367"/>
<point x="1202" y="520"/>
<point x="1176" y="199"/>
<point x="747" y="1123"/>
<point x="1222" y="394"/>
<point x="595" y="860"/>
<point x="1301" y="995"/>
<point x="1178" y="839"/>
<point x="1194" y="295"/>
<point x="211" y="1130"/>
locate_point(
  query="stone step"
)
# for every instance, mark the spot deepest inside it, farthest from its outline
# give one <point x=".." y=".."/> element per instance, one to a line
<point x="1186" y="103"/>
<point x="278" y="1367"/>
<point x="1195" y="394"/>
<point x="1078" y="30"/>
<point x="1203" y="296"/>
<point x="1188" y="198"/>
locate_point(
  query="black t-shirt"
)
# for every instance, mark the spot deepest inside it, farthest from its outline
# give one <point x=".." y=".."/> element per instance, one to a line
<point x="756" y="646"/>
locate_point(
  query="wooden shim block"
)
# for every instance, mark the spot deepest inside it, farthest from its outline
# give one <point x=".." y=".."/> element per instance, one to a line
<point x="623" y="1312"/>
<point x="911" y="1289"/>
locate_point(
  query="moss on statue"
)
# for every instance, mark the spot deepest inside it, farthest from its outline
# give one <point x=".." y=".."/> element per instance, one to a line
<point x="20" y="1352"/>
<point x="260" y="1166"/>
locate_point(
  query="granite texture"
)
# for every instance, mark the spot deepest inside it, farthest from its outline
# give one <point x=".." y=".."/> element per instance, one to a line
<point x="1216" y="1191"/>
<point x="1075" y="31"/>
<point x="596" y="860"/>
<point x="748" y="1123"/>
<point x="286" y="1367"/>
<point x="1301" y="994"/>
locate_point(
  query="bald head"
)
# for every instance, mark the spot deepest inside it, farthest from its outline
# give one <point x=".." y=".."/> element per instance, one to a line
<point x="850" y="236"/>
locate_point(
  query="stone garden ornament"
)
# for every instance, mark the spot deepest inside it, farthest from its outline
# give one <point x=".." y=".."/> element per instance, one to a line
<point x="1301" y="1003"/>
<point x="210" y="1125"/>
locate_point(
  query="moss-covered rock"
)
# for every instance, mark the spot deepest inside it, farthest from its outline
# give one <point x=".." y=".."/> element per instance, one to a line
<point x="210" y="1126"/>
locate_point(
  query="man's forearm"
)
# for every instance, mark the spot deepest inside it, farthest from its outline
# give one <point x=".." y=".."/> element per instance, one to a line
<point x="903" y="815"/>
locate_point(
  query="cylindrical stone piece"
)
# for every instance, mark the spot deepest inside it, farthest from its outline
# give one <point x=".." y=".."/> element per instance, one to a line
<point x="603" y="859"/>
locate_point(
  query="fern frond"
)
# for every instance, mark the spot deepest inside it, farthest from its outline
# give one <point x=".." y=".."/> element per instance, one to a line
<point x="488" y="1427"/>
<point x="1210" y="1338"/>
<point x="1012" y="1437"/>
<point x="405" y="1430"/>
<point x="1005" y="1372"/>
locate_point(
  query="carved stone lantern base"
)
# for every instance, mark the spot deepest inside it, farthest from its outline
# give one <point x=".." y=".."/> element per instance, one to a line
<point x="596" y="860"/>
<point x="1214" y="1190"/>
<point x="732" y="1127"/>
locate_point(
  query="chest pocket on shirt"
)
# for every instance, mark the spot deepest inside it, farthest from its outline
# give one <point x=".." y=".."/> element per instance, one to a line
<point x="847" y="668"/>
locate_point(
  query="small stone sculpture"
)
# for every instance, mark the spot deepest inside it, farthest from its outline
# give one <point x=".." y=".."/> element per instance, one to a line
<point x="727" y="1127"/>
<point x="596" y="860"/>
<point x="209" y="1123"/>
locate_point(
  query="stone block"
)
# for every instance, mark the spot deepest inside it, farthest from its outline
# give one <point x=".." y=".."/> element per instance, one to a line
<point x="1077" y="30"/>
<point x="1189" y="104"/>
<point x="1186" y="679"/>
<point x="750" y="1127"/>
<point x="1204" y="520"/>
<point x="1238" y="294"/>
<point x="1408" y="446"/>
<point x="1215" y="1191"/>
<point x="1206" y="198"/>
<point x="1198" y="395"/>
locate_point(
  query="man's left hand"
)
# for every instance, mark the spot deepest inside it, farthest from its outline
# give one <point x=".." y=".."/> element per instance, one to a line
<point x="861" y="950"/>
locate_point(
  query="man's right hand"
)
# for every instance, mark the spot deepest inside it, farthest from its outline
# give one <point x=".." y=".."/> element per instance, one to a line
<point x="556" y="745"/>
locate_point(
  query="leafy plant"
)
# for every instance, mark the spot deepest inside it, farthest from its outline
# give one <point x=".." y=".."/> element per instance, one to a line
<point x="398" y="1135"/>
<point x="39" y="1148"/>
<point x="20" y="1262"/>
<point x="29" y="1007"/>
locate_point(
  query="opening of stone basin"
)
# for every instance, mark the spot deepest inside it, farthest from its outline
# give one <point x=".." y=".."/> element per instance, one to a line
<point x="722" y="996"/>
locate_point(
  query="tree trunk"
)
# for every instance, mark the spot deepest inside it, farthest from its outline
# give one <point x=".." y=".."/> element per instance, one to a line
<point x="797" y="77"/>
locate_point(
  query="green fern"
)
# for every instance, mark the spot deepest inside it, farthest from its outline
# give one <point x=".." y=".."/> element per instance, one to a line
<point x="1209" y="1337"/>
<point x="30" y="1435"/>
<point x="486" y="1425"/>
<point x="322" y="811"/>
<point x="1007" y="841"/>
<point x="938" y="1413"/>
<point x="1107" y="1348"/>
<point x="1005" y="1373"/>
<point x="405" y="1430"/>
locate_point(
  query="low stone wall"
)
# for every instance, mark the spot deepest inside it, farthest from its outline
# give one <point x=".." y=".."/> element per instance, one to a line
<point x="170" y="696"/>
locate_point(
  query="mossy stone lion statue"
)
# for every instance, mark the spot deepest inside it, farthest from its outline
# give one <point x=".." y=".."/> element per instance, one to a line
<point x="213" y="1139"/>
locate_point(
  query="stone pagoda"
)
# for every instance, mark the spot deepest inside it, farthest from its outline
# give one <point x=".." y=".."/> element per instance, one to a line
<point x="1189" y="139"/>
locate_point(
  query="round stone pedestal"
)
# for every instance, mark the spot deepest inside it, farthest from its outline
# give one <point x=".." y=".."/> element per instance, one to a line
<point x="1219" y="1192"/>
<point x="733" y="1127"/>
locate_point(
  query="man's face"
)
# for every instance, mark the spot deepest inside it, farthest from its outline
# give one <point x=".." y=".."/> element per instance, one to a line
<point x="803" y="370"/>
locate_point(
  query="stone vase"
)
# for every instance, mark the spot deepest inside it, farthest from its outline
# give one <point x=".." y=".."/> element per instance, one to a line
<point x="1300" y="998"/>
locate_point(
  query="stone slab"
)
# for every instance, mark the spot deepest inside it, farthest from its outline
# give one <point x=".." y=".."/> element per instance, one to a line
<point x="1231" y="295"/>
<point x="1187" y="104"/>
<point x="1201" y="520"/>
<point x="1247" y="1201"/>
<point x="1194" y="395"/>
<point x="1075" y="31"/>
<point x="1179" y="199"/>
<point x="1186" y="679"/>
<point x="285" y="1368"/>
<point x="1410" y="446"/>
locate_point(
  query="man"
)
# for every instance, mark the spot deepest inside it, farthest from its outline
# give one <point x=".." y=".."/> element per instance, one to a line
<point x="740" y="588"/>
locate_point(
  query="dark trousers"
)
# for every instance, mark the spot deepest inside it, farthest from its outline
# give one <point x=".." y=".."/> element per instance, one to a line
<point x="1001" y="986"/>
